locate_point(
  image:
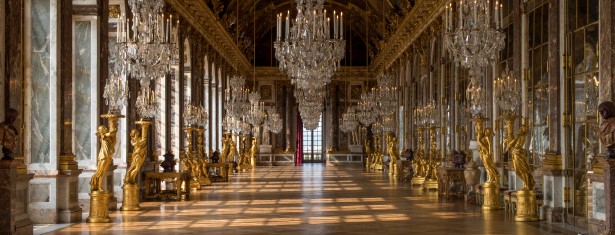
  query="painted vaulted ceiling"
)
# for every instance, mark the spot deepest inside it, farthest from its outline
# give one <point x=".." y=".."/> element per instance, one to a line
<point x="246" y="20"/>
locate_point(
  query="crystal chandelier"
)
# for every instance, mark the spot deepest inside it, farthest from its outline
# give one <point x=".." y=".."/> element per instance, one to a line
<point x="308" y="53"/>
<point x="145" y="42"/>
<point x="474" y="92"/>
<point x="146" y="103"/>
<point x="194" y="115"/>
<point x="379" y="103"/>
<point x="310" y="102"/>
<point x="273" y="122"/>
<point x="475" y="40"/>
<point x="236" y="98"/>
<point x="115" y="94"/>
<point x="507" y="94"/>
<point x="349" y="121"/>
<point x="256" y="113"/>
<point x="426" y="115"/>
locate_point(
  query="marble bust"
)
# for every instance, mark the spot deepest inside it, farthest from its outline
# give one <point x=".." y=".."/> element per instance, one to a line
<point x="607" y="128"/>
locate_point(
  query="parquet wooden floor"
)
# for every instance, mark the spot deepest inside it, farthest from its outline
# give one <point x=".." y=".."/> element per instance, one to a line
<point x="311" y="199"/>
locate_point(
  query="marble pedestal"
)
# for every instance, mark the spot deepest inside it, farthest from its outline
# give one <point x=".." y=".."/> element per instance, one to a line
<point x="355" y="148"/>
<point x="68" y="205"/>
<point x="14" y="199"/>
<point x="264" y="148"/>
<point x="603" y="208"/>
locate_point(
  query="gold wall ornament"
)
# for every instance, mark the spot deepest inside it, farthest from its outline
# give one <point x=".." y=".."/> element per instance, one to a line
<point x="491" y="188"/>
<point x="131" y="187"/>
<point x="99" y="199"/>
<point x="419" y="159"/>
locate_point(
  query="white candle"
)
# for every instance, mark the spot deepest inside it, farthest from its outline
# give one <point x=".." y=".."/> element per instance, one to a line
<point x="501" y="16"/>
<point x="287" y="23"/>
<point x="117" y="32"/>
<point x="495" y="15"/>
<point x="461" y="14"/>
<point x="487" y="10"/>
<point x="341" y="25"/>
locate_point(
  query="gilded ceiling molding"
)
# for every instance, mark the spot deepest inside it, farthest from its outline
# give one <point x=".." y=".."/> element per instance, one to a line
<point x="344" y="73"/>
<point x="203" y="20"/>
<point x="420" y="18"/>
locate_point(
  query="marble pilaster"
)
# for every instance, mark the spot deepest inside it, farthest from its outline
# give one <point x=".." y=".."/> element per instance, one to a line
<point x="606" y="57"/>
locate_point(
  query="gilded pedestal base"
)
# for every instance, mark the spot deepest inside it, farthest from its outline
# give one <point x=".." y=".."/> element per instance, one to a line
<point x="367" y="166"/>
<point x="244" y="167"/>
<point x="377" y="167"/>
<point x="99" y="207"/>
<point x="430" y="184"/>
<point x="491" y="197"/>
<point x="526" y="206"/>
<point x="418" y="180"/>
<point x="131" y="198"/>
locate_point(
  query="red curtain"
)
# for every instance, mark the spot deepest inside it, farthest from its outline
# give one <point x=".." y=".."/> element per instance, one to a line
<point x="299" y="148"/>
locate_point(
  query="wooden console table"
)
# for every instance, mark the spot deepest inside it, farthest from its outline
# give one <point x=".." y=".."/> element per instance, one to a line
<point x="223" y="174"/>
<point x="153" y="183"/>
<point x="451" y="178"/>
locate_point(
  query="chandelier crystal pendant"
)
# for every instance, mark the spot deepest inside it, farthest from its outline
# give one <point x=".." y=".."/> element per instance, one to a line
<point x="146" y="41"/>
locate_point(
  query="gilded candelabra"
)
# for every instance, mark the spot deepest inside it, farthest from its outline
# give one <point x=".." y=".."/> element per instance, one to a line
<point x="491" y="188"/>
<point x="131" y="186"/>
<point x="419" y="159"/>
<point x="202" y="157"/>
<point x="368" y="151"/>
<point x="377" y="154"/>
<point x="526" y="197"/>
<point x="190" y="160"/>
<point x="433" y="161"/>
<point x="99" y="198"/>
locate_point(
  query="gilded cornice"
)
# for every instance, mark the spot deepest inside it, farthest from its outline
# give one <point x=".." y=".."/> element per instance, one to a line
<point x="413" y="24"/>
<point x="203" y="20"/>
<point x="344" y="73"/>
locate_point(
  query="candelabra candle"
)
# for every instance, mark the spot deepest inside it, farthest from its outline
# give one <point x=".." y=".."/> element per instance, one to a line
<point x="508" y="93"/>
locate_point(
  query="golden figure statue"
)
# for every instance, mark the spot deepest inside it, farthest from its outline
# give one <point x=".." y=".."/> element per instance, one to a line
<point x="377" y="156"/>
<point x="225" y="147"/>
<point x="139" y="144"/>
<point x="393" y="153"/>
<point x="105" y="155"/>
<point x="253" y="152"/>
<point x="232" y="152"/>
<point x="486" y="155"/>
<point x="420" y="159"/>
<point x="8" y="134"/>
<point x="368" y="151"/>
<point x="515" y="147"/>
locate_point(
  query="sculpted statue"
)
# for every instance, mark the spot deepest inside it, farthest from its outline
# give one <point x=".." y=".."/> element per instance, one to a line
<point x="193" y="166"/>
<point x="253" y="150"/>
<point x="139" y="143"/>
<point x="225" y="148"/>
<point x="266" y="135"/>
<point x="519" y="158"/>
<point x="232" y="152"/>
<point x="393" y="152"/>
<point x="8" y="134"/>
<point x="419" y="161"/>
<point x="105" y="155"/>
<point x="607" y="128"/>
<point x="486" y="155"/>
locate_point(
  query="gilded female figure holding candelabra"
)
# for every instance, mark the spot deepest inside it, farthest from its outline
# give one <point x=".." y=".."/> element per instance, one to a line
<point x="393" y="153"/>
<point x="139" y="144"/>
<point x="516" y="147"/>
<point x="486" y="155"/>
<point x="105" y="155"/>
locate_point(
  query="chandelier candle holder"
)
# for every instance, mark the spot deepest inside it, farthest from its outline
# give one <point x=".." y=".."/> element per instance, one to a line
<point x="507" y="94"/>
<point x="115" y="94"/>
